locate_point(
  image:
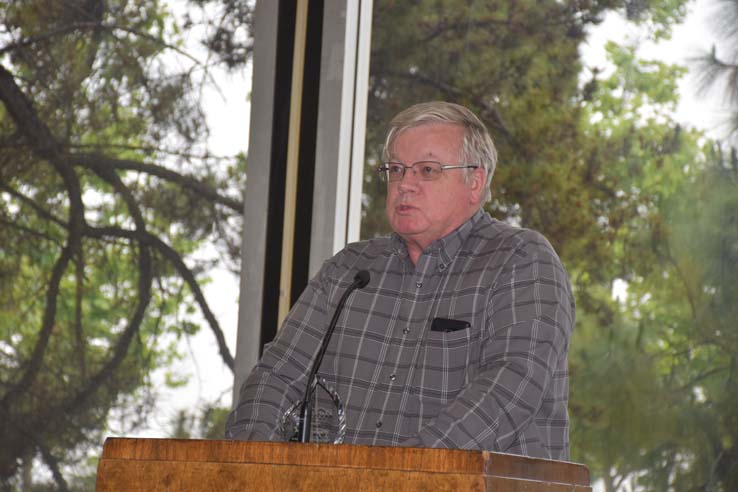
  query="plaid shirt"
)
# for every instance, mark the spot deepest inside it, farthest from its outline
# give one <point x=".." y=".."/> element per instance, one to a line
<point x="500" y="385"/>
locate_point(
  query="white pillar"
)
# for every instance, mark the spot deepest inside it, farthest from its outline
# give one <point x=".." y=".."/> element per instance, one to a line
<point x="336" y="212"/>
<point x="253" y="241"/>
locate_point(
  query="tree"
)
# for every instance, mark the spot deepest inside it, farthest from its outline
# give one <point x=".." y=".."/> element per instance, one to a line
<point x="207" y="422"/>
<point x="664" y="380"/>
<point x="601" y="168"/>
<point x="107" y="189"/>
<point x="718" y="70"/>
<point x="693" y="306"/>
<point x="624" y="410"/>
<point x="517" y="65"/>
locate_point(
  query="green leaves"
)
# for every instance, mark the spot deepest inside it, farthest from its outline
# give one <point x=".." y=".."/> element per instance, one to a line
<point x="107" y="190"/>
<point x="627" y="196"/>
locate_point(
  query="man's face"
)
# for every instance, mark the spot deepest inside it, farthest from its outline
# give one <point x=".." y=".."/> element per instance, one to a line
<point x="424" y="211"/>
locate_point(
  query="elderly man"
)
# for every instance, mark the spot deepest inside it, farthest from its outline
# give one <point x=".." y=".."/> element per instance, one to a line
<point x="459" y="340"/>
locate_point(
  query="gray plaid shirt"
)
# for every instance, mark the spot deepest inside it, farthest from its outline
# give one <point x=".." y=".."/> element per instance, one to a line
<point x="501" y="384"/>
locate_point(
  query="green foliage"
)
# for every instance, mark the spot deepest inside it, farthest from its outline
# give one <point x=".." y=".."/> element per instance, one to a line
<point x="107" y="191"/>
<point x="208" y="422"/>
<point x="717" y="70"/>
<point x="628" y="197"/>
<point x="515" y="64"/>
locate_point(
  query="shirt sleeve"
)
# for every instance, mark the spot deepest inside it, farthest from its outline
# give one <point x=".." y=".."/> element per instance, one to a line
<point x="530" y="316"/>
<point x="279" y="378"/>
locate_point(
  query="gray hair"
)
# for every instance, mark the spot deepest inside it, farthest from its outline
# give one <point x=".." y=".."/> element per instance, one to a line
<point x="477" y="147"/>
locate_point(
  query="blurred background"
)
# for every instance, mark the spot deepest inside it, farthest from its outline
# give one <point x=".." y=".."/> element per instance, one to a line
<point x="124" y="130"/>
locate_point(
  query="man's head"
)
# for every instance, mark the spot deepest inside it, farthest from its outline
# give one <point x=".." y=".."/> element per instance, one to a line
<point x="477" y="146"/>
<point x="427" y="202"/>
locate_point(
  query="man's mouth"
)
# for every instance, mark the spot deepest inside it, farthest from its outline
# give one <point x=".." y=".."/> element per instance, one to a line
<point x="403" y="208"/>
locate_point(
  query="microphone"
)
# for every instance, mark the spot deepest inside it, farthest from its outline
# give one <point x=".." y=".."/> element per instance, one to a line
<point x="361" y="279"/>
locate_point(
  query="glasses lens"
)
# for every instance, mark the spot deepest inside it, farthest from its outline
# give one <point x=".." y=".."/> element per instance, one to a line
<point x="425" y="170"/>
<point x="428" y="170"/>
<point x="395" y="171"/>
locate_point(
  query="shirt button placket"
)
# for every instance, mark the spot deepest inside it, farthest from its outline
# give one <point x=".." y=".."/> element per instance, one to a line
<point x="418" y="284"/>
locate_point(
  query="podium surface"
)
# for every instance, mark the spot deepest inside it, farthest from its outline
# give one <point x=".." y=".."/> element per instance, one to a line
<point x="171" y="465"/>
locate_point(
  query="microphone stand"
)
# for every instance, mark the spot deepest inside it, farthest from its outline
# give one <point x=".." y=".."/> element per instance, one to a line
<point x="361" y="279"/>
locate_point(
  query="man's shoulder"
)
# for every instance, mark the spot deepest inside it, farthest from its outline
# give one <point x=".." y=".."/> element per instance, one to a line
<point x="361" y="253"/>
<point x="376" y="246"/>
<point x="508" y="246"/>
<point x="495" y="235"/>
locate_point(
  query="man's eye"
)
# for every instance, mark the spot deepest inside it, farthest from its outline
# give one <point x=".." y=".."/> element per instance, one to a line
<point x="428" y="170"/>
<point x="395" y="169"/>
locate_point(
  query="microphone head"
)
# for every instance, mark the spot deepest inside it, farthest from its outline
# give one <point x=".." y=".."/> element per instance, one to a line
<point x="361" y="279"/>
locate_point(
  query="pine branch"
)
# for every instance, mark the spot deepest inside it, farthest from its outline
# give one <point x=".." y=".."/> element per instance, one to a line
<point x="97" y="162"/>
<point x="143" y="297"/>
<point x="41" y="211"/>
<point x="93" y="26"/>
<point x="454" y="93"/>
<point x="26" y="119"/>
<point x="30" y="232"/>
<point x="150" y="149"/>
<point x="43" y="144"/>
<point x="53" y="464"/>
<point x="184" y="271"/>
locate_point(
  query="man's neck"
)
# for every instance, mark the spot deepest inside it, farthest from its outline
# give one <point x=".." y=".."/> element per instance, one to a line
<point x="415" y="247"/>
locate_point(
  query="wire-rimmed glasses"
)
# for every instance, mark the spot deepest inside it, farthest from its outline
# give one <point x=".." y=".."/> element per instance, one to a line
<point x="425" y="170"/>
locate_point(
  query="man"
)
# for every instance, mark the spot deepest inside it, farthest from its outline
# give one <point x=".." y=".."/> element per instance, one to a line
<point x="459" y="340"/>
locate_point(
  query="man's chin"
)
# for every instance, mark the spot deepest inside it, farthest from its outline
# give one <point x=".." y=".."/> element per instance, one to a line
<point x="405" y="224"/>
<point x="408" y="231"/>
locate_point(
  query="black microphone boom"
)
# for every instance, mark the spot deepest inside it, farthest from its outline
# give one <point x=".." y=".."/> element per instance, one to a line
<point x="361" y="279"/>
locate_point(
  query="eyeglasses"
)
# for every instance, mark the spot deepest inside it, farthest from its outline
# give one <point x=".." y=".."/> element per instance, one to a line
<point x="426" y="170"/>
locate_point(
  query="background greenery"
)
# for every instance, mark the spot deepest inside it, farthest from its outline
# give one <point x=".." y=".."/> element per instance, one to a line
<point x="108" y="191"/>
<point x="628" y="197"/>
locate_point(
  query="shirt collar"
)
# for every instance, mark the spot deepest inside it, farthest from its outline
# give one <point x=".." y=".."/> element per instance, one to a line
<point x="445" y="248"/>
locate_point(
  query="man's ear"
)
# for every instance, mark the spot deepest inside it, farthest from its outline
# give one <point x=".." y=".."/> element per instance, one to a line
<point x="477" y="183"/>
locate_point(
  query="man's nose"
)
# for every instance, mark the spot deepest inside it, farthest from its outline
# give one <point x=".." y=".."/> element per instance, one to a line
<point x="409" y="177"/>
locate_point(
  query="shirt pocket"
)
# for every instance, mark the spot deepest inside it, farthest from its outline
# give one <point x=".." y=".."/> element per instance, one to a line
<point x="447" y="361"/>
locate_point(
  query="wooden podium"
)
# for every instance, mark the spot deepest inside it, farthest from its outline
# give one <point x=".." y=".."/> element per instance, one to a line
<point x="173" y="465"/>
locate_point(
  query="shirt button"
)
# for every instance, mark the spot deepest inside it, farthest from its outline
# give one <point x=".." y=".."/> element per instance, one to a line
<point x="406" y="331"/>
<point x="378" y="424"/>
<point x="393" y="377"/>
<point x="418" y="284"/>
<point x="442" y="267"/>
